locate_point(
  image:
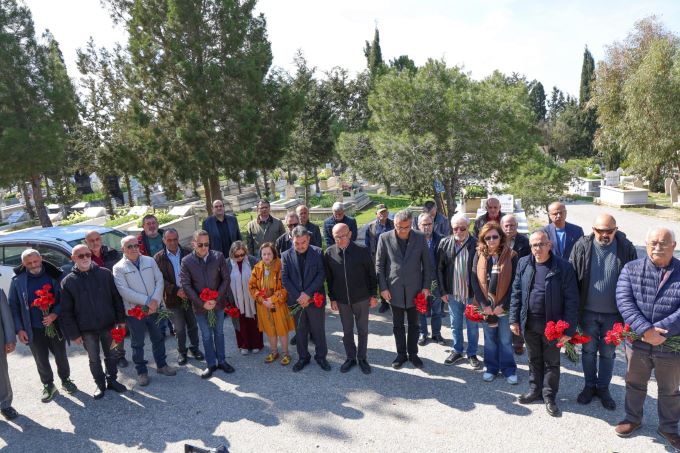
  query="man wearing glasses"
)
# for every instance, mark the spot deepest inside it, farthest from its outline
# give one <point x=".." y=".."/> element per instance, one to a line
<point x="426" y="225"/>
<point x="90" y="308"/>
<point x="264" y="228"/>
<point x="375" y="228"/>
<point x="598" y="259"/>
<point x="454" y="270"/>
<point x="544" y="290"/>
<point x="285" y="241"/>
<point x="648" y="297"/>
<point x="222" y="228"/>
<point x="140" y="284"/>
<point x="519" y="243"/>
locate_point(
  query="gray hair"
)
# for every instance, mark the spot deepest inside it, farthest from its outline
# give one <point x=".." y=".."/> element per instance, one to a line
<point x="236" y="246"/>
<point x="127" y="239"/>
<point x="403" y="215"/>
<point x="337" y="206"/>
<point x="299" y="231"/>
<point x="291" y="215"/>
<point x="460" y="218"/>
<point x="29" y="252"/>
<point x="542" y="232"/>
<point x="650" y="231"/>
<point x="508" y="217"/>
<point x="423" y="215"/>
<point x="198" y="233"/>
<point x="170" y="230"/>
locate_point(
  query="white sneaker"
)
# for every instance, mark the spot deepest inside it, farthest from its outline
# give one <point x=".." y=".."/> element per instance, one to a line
<point x="488" y="377"/>
<point x="244" y="352"/>
<point x="255" y="351"/>
<point x="512" y="379"/>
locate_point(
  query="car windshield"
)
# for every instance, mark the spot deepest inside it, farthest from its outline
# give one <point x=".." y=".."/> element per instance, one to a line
<point x="111" y="239"/>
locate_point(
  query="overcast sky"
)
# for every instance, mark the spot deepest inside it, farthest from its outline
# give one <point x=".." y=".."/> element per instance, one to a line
<point x="543" y="40"/>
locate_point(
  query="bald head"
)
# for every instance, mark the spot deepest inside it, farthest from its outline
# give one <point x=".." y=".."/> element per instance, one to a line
<point x="604" y="229"/>
<point x="558" y="214"/>
<point x="342" y="235"/>
<point x="82" y="257"/>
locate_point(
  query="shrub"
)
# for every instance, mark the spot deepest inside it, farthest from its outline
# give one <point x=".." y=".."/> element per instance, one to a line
<point x="96" y="196"/>
<point x="475" y="192"/>
<point x="74" y="218"/>
<point x="121" y="220"/>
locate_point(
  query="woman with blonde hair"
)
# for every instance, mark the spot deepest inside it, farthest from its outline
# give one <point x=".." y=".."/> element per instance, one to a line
<point x="273" y="317"/>
<point x="240" y="266"/>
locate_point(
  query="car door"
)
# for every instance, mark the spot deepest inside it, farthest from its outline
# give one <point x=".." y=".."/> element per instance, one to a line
<point x="55" y="254"/>
<point x="10" y="257"/>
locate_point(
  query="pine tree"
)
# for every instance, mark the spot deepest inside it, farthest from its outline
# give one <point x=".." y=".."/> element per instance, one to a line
<point x="537" y="100"/>
<point x="373" y="54"/>
<point x="587" y="76"/>
<point x="588" y="114"/>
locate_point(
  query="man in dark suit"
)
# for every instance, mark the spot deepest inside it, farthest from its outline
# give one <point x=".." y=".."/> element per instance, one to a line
<point x="338" y="217"/>
<point x="222" y="229"/>
<point x="303" y="275"/>
<point x="303" y="214"/>
<point x="561" y="233"/>
<point x="404" y="269"/>
<point x="520" y="245"/>
<point x="374" y="229"/>
<point x="432" y="238"/>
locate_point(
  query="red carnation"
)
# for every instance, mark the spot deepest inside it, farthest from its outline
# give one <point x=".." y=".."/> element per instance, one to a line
<point x="474" y="313"/>
<point x="118" y="335"/>
<point x="421" y="303"/>
<point x="208" y="294"/>
<point x="232" y="311"/>
<point x="319" y="299"/>
<point x="43" y="303"/>
<point x="137" y="312"/>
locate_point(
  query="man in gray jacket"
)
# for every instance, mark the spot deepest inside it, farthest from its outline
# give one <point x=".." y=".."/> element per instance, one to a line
<point x="7" y="345"/>
<point x="404" y="270"/>
<point x="140" y="284"/>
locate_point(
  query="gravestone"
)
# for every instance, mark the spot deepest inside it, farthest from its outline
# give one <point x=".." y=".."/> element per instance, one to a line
<point x="182" y="211"/>
<point x="611" y="178"/>
<point x="290" y="192"/>
<point x="638" y="182"/>
<point x="332" y="182"/>
<point x="619" y="171"/>
<point x="674" y="192"/>
<point x="93" y="213"/>
<point x="138" y="210"/>
<point x="667" y="185"/>
<point x="15" y="217"/>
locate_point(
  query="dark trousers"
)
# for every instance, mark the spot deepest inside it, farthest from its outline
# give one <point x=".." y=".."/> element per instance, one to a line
<point x="667" y="372"/>
<point x="92" y="341"/>
<point x="399" y="330"/>
<point x="351" y="314"/>
<point x="185" y="324"/>
<point x="597" y="356"/>
<point x="41" y="346"/>
<point x="517" y="341"/>
<point x="138" y="329"/>
<point x="544" y="360"/>
<point x="119" y="350"/>
<point x="5" y="386"/>
<point x="311" y="320"/>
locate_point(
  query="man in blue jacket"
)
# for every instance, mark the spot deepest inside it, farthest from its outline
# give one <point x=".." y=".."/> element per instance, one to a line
<point x="426" y="225"/>
<point x="33" y="275"/>
<point x="648" y="297"/>
<point x="562" y="234"/>
<point x="303" y="274"/>
<point x="544" y="290"/>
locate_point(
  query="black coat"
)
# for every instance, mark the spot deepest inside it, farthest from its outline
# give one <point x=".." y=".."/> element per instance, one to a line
<point x="350" y="274"/>
<point x="446" y="257"/>
<point x="89" y="302"/>
<point x="521" y="246"/>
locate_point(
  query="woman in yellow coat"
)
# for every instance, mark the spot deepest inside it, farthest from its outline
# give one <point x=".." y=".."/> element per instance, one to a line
<point x="273" y="317"/>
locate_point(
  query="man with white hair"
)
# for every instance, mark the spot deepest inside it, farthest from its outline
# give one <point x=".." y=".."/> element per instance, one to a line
<point x="140" y="284"/>
<point x="454" y="270"/>
<point x="35" y="275"/>
<point x="519" y="243"/>
<point x="338" y="217"/>
<point x="648" y="297"/>
<point x="493" y="214"/>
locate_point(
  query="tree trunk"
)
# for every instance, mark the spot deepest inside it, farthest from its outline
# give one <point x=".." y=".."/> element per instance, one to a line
<point x="306" y="187"/>
<point x="27" y="200"/>
<point x="257" y="189"/>
<point x="128" y="184"/>
<point x="266" y="184"/>
<point x="289" y="177"/>
<point x="215" y="191"/>
<point x="238" y="186"/>
<point x="194" y="186"/>
<point x="147" y="194"/>
<point x="450" y="189"/>
<point x="316" y="181"/>
<point x="40" y="202"/>
<point x="388" y="187"/>
<point x="108" y="202"/>
<point x="208" y="198"/>
<point x="47" y="189"/>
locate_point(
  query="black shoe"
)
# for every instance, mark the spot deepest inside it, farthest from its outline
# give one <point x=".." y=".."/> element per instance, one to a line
<point x="300" y="365"/>
<point x="122" y="362"/>
<point x="606" y="399"/>
<point x="99" y="393"/>
<point x="453" y="358"/>
<point x="208" y="371"/>
<point x="398" y="362"/>
<point x="384" y="306"/>
<point x="349" y="363"/>
<point x="198" y="355"/>
<point x="365" y="367"/>
<point x="293" y="341"/>
<point x="116" y="386"/>
<point x="439" y="339"/>
<point x="9" y="413"/>
<point x="474" y="362"/>
<point x="172" y="332"/>
<point x="586" y="395"/>
<point x="323" y="363"/>
<point x="415" y="360"/>
<point x="422" y="341"/>
<point x="530" y="397"/>
<point x="552" y="408"/>
<point x="224" y="366"/>
<point x="182" y="359"/>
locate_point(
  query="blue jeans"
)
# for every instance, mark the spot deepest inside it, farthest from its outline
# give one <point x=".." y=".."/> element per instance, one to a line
<point x="435" y="310"/>
<point x="138" y="329"/>
<point x="213" y="338"/>
<point x="498" y="353"/>
<point x="596" y="325"/>
<point x="456" y="316"/>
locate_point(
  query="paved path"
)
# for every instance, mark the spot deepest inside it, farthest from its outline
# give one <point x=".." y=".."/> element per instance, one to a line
<point x="268" y="408"/>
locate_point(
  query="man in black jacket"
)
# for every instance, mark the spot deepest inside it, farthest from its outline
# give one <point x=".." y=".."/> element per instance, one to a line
<point x="352" y="286"/>
<point x="90" y="308"/>
<point x="520" y="245"/>
<point x="598" y="260"/>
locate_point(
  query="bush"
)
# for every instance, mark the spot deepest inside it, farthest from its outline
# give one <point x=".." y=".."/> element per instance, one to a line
<point x="74" y="218"/>
<point x="121" y="220"/>
<point x="475" y="192"/>
<point x="96" y="196"/>
<point x="10" y="195"/>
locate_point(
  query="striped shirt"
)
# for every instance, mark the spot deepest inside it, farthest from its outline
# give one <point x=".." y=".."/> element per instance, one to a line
<point x="460" y="274"/>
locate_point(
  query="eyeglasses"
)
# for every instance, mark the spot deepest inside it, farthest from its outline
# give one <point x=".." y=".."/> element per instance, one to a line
<point x="239" y="255"/>
<point x="604" y="230"/>
<point x="459" y="228"/>
<point x="660" y="244"/>
<point x="83" y="256"/>
<point x="398" y="228"/>
<point x="202" y="244"/>
<point x="539" y="245"/>
<point x="292" y="225"/>
<point x="132" y="246"/>
<point x="493" y="237"/>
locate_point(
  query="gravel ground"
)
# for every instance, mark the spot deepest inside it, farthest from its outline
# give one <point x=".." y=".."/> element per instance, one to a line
<point x="269" y="408"/>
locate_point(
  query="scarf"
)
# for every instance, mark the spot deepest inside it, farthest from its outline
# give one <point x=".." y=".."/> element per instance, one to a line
<point x="239" y="287"/>
<point x="504" y="275"/>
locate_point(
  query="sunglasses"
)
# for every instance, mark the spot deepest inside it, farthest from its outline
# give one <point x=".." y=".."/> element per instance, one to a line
<point x="83" y="256"/>
<point x="240" y="255"/>
<point x="604" y="230"/>
<point x="132" y="246"/>
<point x="493" y="237"/>
<point x="202" y="244"/>
<point x="292" y="225"/>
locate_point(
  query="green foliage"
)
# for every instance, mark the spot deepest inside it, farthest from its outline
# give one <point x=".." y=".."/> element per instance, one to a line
<point x="74" y="218"/>
<point x="537" y="100"/>
<point x="95" y="196"/>
<point x="162" y="216"/>
<point x="538" y="181"/>
<point x="119" y="220"/>
<point x="475" y="191"/>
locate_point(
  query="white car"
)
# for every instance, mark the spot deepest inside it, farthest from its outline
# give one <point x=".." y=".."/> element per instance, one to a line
<point x="54" y="244"/>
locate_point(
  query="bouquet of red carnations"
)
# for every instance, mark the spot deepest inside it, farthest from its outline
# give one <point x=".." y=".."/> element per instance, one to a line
<point x="620" y="332"/>
<point x="206" y="295"/>
<point x="555" y="331"/>
<point x="118" y="335"/>
<point x="421" y="303"/>
<point x="43" y="302"/>
<point x="142" y="311"/>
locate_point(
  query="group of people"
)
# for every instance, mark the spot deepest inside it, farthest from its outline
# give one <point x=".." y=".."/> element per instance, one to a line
<point x="279" y="280"/>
